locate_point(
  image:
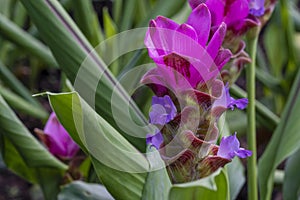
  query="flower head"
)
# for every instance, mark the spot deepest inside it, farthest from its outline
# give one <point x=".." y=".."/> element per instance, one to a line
<point x="230" y="147"/>
<point x="184" y="53"/>
<point x="58" y="140"/>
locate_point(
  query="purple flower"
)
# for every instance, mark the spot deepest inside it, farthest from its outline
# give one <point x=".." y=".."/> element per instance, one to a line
<point x="232" y="12"/>
<point x="230" y="147"/>
<point x="183" y="53"/>
<point x="257" y="7"/>
<point x="58" y="140"/>
<point x="163" y="110"/>
<point x="155" y="140"/>
<point x="228" y="102"/>
<point x="231" y="102"/>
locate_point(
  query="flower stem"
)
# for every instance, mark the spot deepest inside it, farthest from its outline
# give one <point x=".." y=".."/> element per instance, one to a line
<point x="251" y="135"/>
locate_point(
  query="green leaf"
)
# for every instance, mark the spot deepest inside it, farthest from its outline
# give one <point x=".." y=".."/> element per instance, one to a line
<point x="12" y="32"/>
<point x="12" y="82"/>
<point x="291" y="184"/>
<point x="115" y="160"/>
<point x="236" y="177"/>
<point x="158" y="183"/>
<point x="21" y="105"/>
<point x="165" y="8"/>
<point x="79" y="190"/>
<point x="71" y="49"/>
<point x="24" y="155"/>
<point x="87" y="20"/>
<point x="284" y="142"/>
<point x="214" y="187"/>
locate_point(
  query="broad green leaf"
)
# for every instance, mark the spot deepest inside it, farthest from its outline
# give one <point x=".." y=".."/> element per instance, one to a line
<point x="24" y="155"/>
<point x="284" y="142"/>
<point x="115" y="160"/>
<point x="21" y="105"/>
<point x="12" y="82"/>
<point x="71" y="49"/>
<point x="110" y="27"/>
<point x="275" y="48"/>
<point x="79" y="190"/>
<point x="236" y="177"/>
<point x="87" y="21"/>
<point x="158" y="183"/>
<point x="214" y="187"/>
<point x="165" y="8"/>
<point x="128" y="14"/>
<point x="12" y="32"/>
<point x="291" y="183"/>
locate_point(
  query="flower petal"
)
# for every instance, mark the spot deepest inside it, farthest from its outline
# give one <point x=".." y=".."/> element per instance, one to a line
<point x="216" y="41"/>
<point x="200" y="19"/>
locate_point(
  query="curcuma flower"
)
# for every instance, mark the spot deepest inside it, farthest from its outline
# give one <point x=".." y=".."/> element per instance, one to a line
<point x="184" y="53"/>
<point x="57" y="139"/>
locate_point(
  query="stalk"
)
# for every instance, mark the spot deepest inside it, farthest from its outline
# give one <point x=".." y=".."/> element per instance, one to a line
<point x="251" y="126"/>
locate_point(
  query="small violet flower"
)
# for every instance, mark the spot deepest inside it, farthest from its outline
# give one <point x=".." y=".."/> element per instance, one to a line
<point x="163" y="111"/>
<point x="257" y="7"/>
<point x="231" y="102"/>
<point x="230" y="147"/>
<point x="58" y="140"/>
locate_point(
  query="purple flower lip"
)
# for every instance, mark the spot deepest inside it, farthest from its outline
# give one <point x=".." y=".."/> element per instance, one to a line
<point x="57" y="139"/>
<point x="230" y="147"/>
<point x="163" y="111"/>
<point x="257" y="7"/>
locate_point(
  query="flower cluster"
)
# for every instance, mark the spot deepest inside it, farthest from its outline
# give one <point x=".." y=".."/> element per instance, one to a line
<point x="190" y="93"/>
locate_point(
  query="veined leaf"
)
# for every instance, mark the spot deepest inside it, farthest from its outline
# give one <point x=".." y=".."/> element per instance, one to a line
<point x="24" y="155"/>
<point x="284" y="142"/>
<point x="71" y="49"/>
<point x="79" y="190"/>
<point x="87" y="21"/>
<point x="20" y="104"/>
<point x="214" y="187"/>
<point x="158" y="183"/>
<point x="12" y="32"/>
<point x="120" y="166"/>
<point x="291" y="183"/>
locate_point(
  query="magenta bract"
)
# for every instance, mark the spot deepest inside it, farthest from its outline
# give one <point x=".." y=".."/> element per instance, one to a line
<point x="59" y="142"/>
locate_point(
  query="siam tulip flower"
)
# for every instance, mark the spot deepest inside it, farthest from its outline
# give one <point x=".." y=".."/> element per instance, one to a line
<point x="183" y="53"/>
<point x="235" y="13"/>
<point x="57" y="139"/>
<point x="163" y="111"/>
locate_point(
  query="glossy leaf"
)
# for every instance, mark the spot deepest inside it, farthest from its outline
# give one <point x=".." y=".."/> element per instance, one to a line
<point x="114" y="158"/>
<point x="284" y="142"/>
<point x="71" y="48"/>
<point x="12" y="32"/>
<point x="24" y="155"/>
<point x="158" y="183"/>
<point x="79" y="190"/>
<point x="214" y="187"/>
<point x="291" y="183"/>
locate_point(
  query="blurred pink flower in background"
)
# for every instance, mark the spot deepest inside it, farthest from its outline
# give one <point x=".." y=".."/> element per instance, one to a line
<point x="57" y="139"/>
